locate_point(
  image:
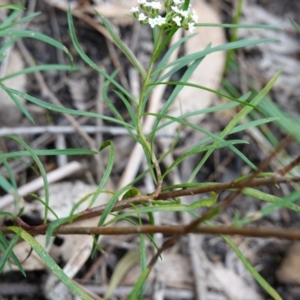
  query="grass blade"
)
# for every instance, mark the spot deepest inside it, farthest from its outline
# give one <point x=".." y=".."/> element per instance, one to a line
<point x="9" y="251"/>
<point x="122" y="46"/>
<point x="49" y="67"/>
<point x="234" y="122"/>
<point x="64" y="110"/>
<point x="50" y="263"/>
<point x="41" y="168"/>
<point x="89" y="61"/>
<point x="36" y="35"/>
<point x="52" y="152"/>
<point x="107" y="171"/>
<point x="186" y="60"/>
<point x="261" y="281"/>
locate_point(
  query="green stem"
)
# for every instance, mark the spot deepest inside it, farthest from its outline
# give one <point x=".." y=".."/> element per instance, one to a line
<point x="141" y="106"/>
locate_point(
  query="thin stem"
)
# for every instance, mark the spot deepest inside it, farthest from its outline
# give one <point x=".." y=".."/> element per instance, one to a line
<point x="140" y="112"/>
<point x="259" y="232"/>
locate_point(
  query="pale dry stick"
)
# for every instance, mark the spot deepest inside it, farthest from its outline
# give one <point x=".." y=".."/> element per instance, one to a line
<point x="60" y="143"/>
<point x="46" y="92"/>
<point x="38" y="183"/>
<point x="154" y="105"/>
<point x="17" y="166"/>
<point x="134" y="82"/>
<point x="66" y="129"/>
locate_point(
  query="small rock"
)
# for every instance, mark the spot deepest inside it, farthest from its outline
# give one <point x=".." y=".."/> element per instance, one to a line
<point x="289" y="271"/>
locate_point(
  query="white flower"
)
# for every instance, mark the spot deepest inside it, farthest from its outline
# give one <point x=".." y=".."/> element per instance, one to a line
<point x="154" y="5"/>
<point x="184" y="13"/>
<point x="152" y="22"/>
<point x="177" y="20"/>
<point x="142" y="17"/>
<point x="176" y="9"/>
<point x="160" y="20"/>
<point x="194" y="16"/>
<point x="178" y="2"/>
<point x="191" y="27"/>
<point x="134" y="9"/>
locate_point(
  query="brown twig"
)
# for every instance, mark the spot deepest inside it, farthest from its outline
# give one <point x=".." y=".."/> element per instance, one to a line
<point x="289" y="167"/>
<point x="96" y="211"/>
<point x="258" y="232"/>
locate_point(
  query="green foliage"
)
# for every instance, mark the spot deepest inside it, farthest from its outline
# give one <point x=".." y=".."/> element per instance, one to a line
<point x="136" y="109"/>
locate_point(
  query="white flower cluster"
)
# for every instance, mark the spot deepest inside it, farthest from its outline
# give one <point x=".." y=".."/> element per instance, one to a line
<point x="148" y="13"/>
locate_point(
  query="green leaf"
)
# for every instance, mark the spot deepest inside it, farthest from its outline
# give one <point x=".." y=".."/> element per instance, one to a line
<point x="37" y="198"/>
<point x="132" y="192"/>
<point x="10" y="174"/>
<point x="41" y="168"/>
<point x="63" y="110"/>
<point x="36" y="35"/>
<point x="50" y="263"/>
<point x="295" y="24"/>
<point x="205" y="89"/>
<point x="139" y="284"/>
<point x="186" y="60"/>
<point x="215" y="137"/>
<point x="23" y="20"/>
<point x="239" y="116"/>
<point x="52" y="152"/>
<point x="129" y="260"/>
<point x="173" y="96"/>
<point x="89" y="61"/>
<point x="41" y="68"/>
<point x="168" y="207"/>
<point x="9" y="19"/>
<point x="261" y="281"/>
<point x="198" y="149"/>
<point x="54" y="225"/>
<point x="238" y="26"/>
<point x="12" y="6"/>
<point x="166" y="57"/>
<point x="107" y="171"/>
<point x="21" y="107"/>
<point x="267" y="210"/>
<point x="9" y="253"/>
<point x="198" y="112"/>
